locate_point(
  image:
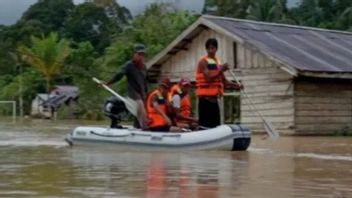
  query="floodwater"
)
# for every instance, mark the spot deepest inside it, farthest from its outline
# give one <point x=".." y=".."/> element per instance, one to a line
<point x="36" y="162"/>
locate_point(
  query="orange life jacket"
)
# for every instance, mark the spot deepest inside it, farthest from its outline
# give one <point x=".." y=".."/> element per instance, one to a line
<point x="155" y="118"/>
<point x="185" y="106"/>
<point x="173" y="89"/>
<point x="209" y="88"/>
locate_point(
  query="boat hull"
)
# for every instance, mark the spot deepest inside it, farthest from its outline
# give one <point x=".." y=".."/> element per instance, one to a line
<point x="224" y="137"/>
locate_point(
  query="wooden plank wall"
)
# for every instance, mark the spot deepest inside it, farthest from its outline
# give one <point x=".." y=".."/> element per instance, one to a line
<point x="184" y="62"/>
<point x="270" y="88"/>
<point x="322" y="106"/>
<point x="271" y="91"/>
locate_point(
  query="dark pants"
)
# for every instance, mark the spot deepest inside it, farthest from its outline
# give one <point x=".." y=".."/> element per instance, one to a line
<point x="208" y="112"/>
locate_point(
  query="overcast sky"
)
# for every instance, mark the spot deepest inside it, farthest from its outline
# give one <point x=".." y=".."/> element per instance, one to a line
<point x="12" y="10"/>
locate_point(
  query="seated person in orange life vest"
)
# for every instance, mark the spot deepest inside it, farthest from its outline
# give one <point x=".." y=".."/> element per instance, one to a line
<point x="157" y="105"/>
<point x="181" y="105"/>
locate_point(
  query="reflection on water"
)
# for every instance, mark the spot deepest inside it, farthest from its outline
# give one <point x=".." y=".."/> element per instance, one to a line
<point x="36" y="162"/>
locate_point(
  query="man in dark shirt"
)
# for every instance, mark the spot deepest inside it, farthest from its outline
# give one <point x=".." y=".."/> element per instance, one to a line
<point x="136" y="73"/>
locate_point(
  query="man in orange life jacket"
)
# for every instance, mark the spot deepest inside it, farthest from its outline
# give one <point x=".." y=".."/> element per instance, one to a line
<point x="157" y="106"/>
<point x="210" y="81"/>
<point x="181" y="104"/>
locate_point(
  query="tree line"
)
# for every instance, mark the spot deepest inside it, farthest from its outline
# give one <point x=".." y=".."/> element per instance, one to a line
<point x="58" y="42"/>
<point x="330" y="14"/>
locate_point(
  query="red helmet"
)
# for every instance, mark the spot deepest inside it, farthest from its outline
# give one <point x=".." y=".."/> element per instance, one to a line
<point x="165" y="82"/>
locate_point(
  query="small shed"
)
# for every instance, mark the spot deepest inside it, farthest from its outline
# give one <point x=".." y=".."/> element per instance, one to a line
<point x="46" y="106"/>
<point x="38" y="109"/>
<point x="300" y="78"/>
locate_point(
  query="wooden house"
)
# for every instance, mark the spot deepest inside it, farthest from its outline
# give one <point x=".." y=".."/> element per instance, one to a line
<point x="46" y="106"/>
<point x="298" y="77"/>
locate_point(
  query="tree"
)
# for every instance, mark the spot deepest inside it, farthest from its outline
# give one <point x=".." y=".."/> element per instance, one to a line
<point x="344" y="20"/>
<point x="229" y="8"/>
<point x="50" y="13"/>
<point x="269" y="10"/>
<point x="89" y="22"/>
<point x="34" y="83"/>
<point x="119" y="14"/>
<point x="159" y="25"/>
<point x="84" y="63"/>
<point x="47" y="55"/>
<point x="330" y="14"/>
<point x="12" y="36"/>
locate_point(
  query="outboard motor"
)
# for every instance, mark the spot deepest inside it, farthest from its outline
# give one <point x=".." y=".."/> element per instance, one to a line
<point x="115" y="109"/>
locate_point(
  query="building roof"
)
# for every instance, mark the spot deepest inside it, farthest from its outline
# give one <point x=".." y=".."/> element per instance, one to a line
<point x="302" y="49"/>
<point x="59" y="95"/>
<point x="72" y="91"/>
<point x="43" y="96"/>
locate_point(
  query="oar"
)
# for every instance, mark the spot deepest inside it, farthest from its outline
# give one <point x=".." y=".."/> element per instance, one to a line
<point x="267" y="124"/>
<point x="131" y="105"/>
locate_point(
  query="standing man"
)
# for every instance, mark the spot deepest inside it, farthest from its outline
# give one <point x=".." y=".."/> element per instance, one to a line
<point x="136" y="73"/>
<point x="210" y="81"/>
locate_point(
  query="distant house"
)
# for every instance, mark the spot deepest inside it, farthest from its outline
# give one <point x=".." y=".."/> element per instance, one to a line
<point x="38" y="109"/>
<point x="300" y="78"/>
<point x="46" y="106"/>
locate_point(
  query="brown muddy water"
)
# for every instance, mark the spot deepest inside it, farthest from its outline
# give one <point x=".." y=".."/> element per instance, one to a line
<point x="36" y="162"/>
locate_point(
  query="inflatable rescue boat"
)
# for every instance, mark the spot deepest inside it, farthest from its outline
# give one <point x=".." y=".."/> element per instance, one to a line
<point x="224" y="137"/>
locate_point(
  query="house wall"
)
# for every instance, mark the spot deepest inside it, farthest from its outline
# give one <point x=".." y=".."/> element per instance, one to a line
<point x="184" y="62"/>
<point x="271" y="91"/>
<point x="322" y="106"/>
<point x="269" y="87"/>
<point x="38" y="110"/>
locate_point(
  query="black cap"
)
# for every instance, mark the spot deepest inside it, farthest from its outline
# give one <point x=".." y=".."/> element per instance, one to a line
<point x="139" y="48"/>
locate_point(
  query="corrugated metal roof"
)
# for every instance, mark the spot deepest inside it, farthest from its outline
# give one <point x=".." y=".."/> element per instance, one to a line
<point x="304" y="48"/>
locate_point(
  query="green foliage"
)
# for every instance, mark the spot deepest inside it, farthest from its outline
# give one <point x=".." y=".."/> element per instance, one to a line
<point x="47" y="55"/>
<point x="331" y="14"/>
<point x="89" y="22"/>
<point x="33" y="83"/>
<point x="85" y="64"/>
<point x="269" y="10"/>
<point x="49" y="13"/>
<point x="158" y="26"/>
<point x="118" y="14"/>
<point x="12" y="36"/>
<point x="230" y="8"/>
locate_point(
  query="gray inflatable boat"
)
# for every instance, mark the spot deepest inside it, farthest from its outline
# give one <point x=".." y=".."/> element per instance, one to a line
<point x="224" y="137"/>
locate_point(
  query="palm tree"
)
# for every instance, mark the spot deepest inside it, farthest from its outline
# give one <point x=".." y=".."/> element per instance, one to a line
<point x="47" y="55"/>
